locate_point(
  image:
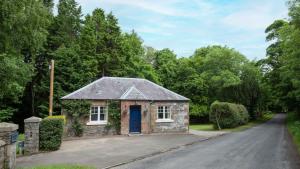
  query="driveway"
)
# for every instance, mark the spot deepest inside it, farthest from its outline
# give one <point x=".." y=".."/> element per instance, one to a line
<point x="103" y="152"/>
<point x="267" y="146"/>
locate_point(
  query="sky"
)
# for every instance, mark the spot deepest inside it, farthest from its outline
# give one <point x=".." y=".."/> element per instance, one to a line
<point x="185" y="25"/>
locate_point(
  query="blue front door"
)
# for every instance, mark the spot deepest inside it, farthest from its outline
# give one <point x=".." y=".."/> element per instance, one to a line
<point x="135" y="119"/>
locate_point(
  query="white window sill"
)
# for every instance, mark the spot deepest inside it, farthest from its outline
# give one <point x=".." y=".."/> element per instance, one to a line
<point x="92" y="123"/>
<point x="164" y="121"/>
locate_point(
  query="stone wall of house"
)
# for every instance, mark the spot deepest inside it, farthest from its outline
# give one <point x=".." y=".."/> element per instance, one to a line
<point x="179" y="115"/>
<point x="125" y="115"/>
<point x="88" y="130"/>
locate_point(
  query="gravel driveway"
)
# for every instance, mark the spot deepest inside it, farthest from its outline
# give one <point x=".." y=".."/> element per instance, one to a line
<point x="103" y="152"/>
<point x="267" y="146"/>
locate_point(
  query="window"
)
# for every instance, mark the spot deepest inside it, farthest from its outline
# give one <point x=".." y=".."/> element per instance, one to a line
<point x="98" y="115"/>
<point x="163" y="114"/>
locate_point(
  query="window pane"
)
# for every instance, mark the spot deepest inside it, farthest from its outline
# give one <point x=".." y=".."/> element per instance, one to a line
<point x="101" y="109"/>
<point x="102" y="117"/>
<point x="167" y="115"/>
<point x="94" y="117"/>
<point x="160" y="115"/>
<point x="166" y="109"/>
<point x="94" y="110"/>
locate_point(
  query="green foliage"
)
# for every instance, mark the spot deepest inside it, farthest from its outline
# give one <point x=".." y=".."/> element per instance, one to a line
<point x="58" y="117"/>
<point x="228" y="115"/>
<point x="6" y="114"/>
<point x="76" y="109"/>
<point x="51" y="131"/>
<point x="114" y="115"/>
<point x="198" y="110"/>
<point x="293" y="124"/>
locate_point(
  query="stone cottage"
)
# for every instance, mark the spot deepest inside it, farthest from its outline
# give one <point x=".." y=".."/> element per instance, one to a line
<point x="145" y="107"/>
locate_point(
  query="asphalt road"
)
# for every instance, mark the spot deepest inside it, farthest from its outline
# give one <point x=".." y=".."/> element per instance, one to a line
<point x="267" y="146"/>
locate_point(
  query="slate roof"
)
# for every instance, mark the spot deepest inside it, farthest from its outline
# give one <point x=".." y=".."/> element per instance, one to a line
<point x="119" y="88"/>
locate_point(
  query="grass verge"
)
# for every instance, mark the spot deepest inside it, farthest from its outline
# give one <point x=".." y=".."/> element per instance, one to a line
<point x="209" y="127"/>
<point x="61" y="166"/>
<point x="293" y="125"/>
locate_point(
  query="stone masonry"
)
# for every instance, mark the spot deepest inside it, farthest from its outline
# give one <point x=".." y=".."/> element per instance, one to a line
<point x="88" y="130"/>
<point x="149" y="124"/>
<point x="32" y="126"/>
<point x="8" y="133"/>
<point x="179" y="115"/>
<point x="2" y="149"/>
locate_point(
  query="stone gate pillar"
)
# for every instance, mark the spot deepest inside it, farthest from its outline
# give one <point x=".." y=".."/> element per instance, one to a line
<point x="32" y="127"/>
<point x="9" y="135"/>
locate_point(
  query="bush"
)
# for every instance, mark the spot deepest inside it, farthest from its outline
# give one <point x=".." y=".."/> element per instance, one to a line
<point x="51" y="131"/>
<point x="228" y="115"/>
<point x="58" y="117"/>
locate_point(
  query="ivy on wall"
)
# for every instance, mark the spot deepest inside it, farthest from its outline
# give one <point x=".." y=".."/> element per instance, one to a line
<point x="76" y="109"/>
<point x="114" y="115"/>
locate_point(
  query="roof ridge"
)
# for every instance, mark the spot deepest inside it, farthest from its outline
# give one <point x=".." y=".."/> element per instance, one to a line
<point x="123" y="77"/>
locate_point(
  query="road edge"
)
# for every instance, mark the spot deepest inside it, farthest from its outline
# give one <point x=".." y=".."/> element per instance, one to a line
<point x="163" y="151"/>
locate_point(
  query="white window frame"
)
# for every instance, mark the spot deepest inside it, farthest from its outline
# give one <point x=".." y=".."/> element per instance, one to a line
<point x="98" y="122"/>
<point x="164" y="119"/>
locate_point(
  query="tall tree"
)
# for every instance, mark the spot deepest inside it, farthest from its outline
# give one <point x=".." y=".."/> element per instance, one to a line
<point x="67" y="24"/>
<point x="23" y="34"/>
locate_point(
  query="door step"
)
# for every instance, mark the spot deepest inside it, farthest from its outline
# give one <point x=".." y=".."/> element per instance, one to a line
<point x="135" y="134"/>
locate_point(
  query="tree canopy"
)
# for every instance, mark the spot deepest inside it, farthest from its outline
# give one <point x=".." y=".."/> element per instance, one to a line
<point x="85" y="48"/>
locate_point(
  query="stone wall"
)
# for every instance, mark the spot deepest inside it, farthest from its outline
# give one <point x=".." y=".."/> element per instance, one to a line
<point x="88" y="130"/>
<point x="32" y="126"/>
<point x="125" y="115"/>
<point x="179" y="115"/>
<point x="2" y="144"/>
<point x="8" y="133"/>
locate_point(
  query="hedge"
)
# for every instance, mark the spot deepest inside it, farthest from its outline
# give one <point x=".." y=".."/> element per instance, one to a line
<point x="228" y="115"/>
<point x="58" y="117"/>
<point x="51" y="131"/>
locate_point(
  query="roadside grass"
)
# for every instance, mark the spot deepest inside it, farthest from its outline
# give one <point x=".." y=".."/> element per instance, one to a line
<point x="210" y="127"/>
<point x="61" y="166"/>
<point x="21" y="137"/>
<point x="202" y="127"/>
<point x="293" y="125"/>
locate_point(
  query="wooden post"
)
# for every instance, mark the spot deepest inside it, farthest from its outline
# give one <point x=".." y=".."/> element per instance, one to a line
<point x="51" y="88"/>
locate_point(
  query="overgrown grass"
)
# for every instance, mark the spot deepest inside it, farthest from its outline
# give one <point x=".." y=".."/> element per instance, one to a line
<point x="293" y="125"/>
<point x="61" y="166"/>
<point x="21" y="137"/>
<point x="209" y="127"/>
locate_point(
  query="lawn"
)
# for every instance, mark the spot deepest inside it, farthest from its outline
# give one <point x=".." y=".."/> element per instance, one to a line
<point x="62" y="166"/>
<point x="293" y="124"/>
<point x="209" y="127"/>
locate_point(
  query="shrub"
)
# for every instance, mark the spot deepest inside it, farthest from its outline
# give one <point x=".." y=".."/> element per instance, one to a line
<point x="228" y="115"/>
<point x="58" y="117"/>
<point x="51" y="130"/>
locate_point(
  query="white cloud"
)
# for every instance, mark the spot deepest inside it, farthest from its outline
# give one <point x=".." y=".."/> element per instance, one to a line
<point x="165" y="7"/>
<point x="255" y="15"/>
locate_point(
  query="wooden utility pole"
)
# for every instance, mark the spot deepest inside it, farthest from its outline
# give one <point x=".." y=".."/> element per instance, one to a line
<point x="51" y="88"/>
